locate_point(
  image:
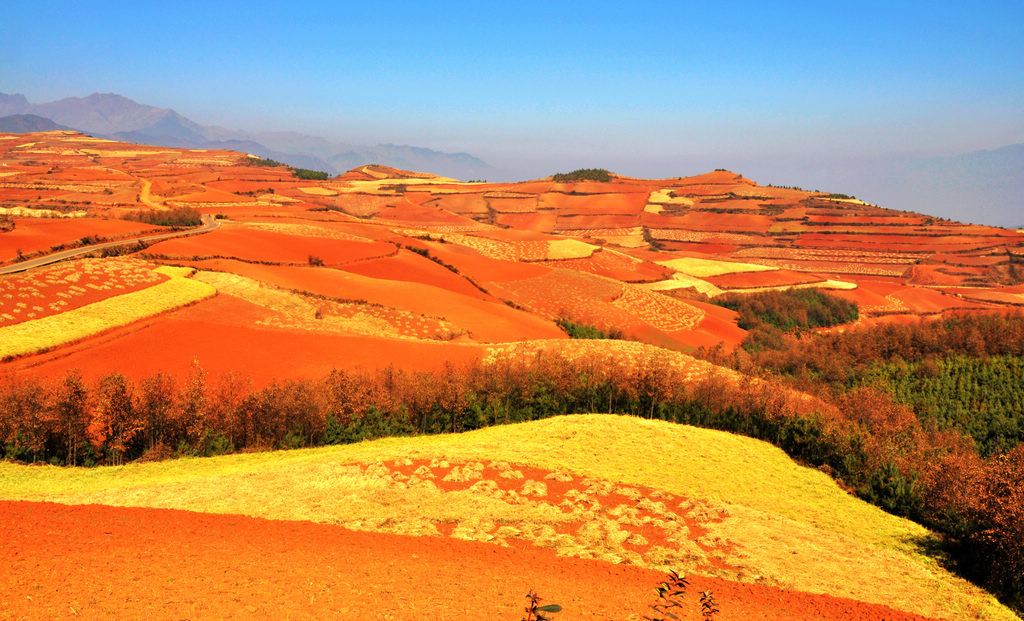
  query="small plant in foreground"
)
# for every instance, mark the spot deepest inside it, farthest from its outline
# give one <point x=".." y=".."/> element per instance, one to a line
<point x="708" y="606"/>
<point x="671" y="591"/>
<point x="535" y="612"/>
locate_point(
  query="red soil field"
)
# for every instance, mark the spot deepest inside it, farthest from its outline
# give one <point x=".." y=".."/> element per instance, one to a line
<point x="36" y="234"/>
<point x="482" y="269"/>
<point x="595" y="204"/>
<point x="615" y="265"/>
<point x="461" y="203"/>
<point x="507" y="204"/>
<point x="710" y="221"/>
<point x="96" y="561"/>
<point x="411" y="267"/>
<point x="405" y="213"/>
<point x="776" y="278"/>
<point x="218" y="332"/>
<point x="65" y="286"/>
<point x="543" y="221"/>
<point x="486" y="318"/>
<point x="260" y="245"/>
<point x="569" y="223"/>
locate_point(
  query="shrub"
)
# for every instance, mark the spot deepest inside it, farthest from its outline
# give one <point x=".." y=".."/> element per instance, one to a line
<point x="312" y="175"/>
<point x="583" y="331"/>
<point x="583" y="174"/>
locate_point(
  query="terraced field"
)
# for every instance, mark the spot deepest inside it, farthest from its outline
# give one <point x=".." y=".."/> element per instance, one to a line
<point x="571" y="485"/>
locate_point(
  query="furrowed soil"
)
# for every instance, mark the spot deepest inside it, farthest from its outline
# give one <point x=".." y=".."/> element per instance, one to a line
<point x="96" y="562"/>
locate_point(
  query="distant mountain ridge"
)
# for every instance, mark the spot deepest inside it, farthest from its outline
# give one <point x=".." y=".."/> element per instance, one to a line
<point x="24" y="123"/>
<point x="108" y="115"/>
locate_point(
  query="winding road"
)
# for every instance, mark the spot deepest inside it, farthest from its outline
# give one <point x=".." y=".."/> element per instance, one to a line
<point x="209" y="224"/>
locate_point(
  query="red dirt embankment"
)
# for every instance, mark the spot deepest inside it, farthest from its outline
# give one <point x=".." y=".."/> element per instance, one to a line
<point x="97" y="562"/>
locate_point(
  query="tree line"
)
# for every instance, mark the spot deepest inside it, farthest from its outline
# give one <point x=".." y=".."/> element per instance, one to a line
<point x="872" y="444"/>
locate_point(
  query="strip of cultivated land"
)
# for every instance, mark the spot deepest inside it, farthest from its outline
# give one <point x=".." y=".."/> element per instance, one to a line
<point x="623" y="489"/>
<point x="54" y="330"/>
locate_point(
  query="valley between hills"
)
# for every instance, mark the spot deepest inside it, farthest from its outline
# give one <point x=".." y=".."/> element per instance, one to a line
<point x="390" y="394"/>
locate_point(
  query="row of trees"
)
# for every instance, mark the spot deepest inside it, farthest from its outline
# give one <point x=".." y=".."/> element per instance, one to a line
<point x="871" y="443"/>
<point x="178" y="217"/>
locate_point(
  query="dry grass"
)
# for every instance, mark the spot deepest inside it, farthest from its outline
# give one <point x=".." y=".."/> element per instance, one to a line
<point x="569" y="249"/>
<point x="46" y="332"/>
<point x="709" y="267"/>
<point x="683" y="281"/>
<point x="318" y="191"/>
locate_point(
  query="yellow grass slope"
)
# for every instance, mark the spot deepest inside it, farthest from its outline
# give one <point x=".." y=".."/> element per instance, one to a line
<point x="782" y="524"/>
<point x="46" y="332"/>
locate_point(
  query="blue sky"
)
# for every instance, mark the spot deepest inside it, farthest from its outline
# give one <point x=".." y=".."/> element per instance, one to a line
<point x="646" y="88"/>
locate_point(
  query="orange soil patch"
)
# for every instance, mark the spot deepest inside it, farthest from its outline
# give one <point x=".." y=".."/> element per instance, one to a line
<point x="882" y="220"/>
<point x="218" y="332"/>
<point x="90" y="174"/>
<point x="711" y="221"/>
<point x="510" y="204"/>
<point x="405" y="213"/>
<point x="899" y="243"/>
<point x="568" y="294"/>
<point x="65" y="286"/>
<point x="482" y="269"/>
<point x="775" y="278"/>
<point x="411" y="267"/>
<point x="569" y="223"/>
<point x="615" y="265"/>
<point x="211" y="195"/>
<point x="487" y="319"/>
<point x="259" y="245"/>
<point x="36" y="234"/>
<point x="461" y="203"/>
<point x="359" y="205"/>
<point x="178" y="564"/>
<point x="926" y="301"/>
<point x="595" y="204"/>
<point x="543" y="221"/>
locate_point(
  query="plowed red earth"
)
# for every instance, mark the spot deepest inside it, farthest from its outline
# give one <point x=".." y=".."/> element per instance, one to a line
<point x="97" y="562"/>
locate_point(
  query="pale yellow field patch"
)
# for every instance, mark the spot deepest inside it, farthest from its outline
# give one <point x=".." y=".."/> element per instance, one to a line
<point x="711" y="267"/>
<point x="36" y="212"/>
<point x="175" y="271"/>
<point x="664" y="197"/>
<point x="824" y="284"/>
<point x="569" y="249"/>
<point x="46" y="332"/>
<point x="318" y="191"/>
<point x="683" y="281"/>
<point x="9" y="174"/>
<point x="789" y="525"/>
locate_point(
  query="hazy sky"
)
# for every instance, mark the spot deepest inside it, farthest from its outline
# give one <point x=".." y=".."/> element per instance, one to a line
<point x="643" y="88"/>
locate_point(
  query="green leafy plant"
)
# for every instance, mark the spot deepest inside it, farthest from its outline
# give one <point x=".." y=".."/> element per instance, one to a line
<point x="536" y="612"/>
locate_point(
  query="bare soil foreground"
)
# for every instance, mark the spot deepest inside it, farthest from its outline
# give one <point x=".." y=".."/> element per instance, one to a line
<point x="93" y="561"/>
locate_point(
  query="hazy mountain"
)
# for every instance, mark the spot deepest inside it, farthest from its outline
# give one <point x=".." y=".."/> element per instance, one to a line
<point x="112" y="116"/>
<point x="23" y="123"/>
